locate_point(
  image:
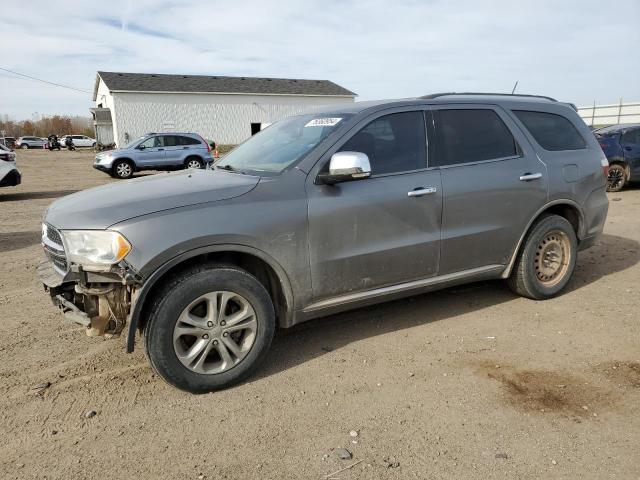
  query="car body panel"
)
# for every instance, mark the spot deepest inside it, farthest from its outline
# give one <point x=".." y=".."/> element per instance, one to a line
<point x="101" y="207"/>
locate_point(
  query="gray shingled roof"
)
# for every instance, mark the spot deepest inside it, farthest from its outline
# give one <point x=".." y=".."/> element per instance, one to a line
<point x="155" y="82"/>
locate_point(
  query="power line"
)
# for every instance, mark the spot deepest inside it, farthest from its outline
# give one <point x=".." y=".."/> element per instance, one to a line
<point x="44" y="81"/>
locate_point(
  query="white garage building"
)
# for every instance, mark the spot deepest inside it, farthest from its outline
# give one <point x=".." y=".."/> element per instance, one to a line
<point x="227" y="110"/>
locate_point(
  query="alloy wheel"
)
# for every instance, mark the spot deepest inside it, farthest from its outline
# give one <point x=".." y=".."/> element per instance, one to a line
<point x="215" y="332"/>
<point x="193" y="164"/>
<point x="123" y="170"/>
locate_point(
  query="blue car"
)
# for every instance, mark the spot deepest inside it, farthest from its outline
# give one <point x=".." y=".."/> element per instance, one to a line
<point x="156" y="151"/>
<point x="621" y="145"/>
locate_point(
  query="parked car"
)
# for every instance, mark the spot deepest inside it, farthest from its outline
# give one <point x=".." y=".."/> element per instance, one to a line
<point x="79" y="140"/>
<point x="621" y="145"/>
<point x="155" y="151"/>
<point x="325" y="212"/>
<point x="9" y="173"/>
<point x="9" y="142"/>
<point x="31" y="142"/>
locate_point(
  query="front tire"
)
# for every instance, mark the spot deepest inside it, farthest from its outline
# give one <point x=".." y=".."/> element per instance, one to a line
<point x="617" y="178"/>
<point x="24" y="146"/>
<point x="209" y="328"/>
<point x="546" y="260"/>
<point x="122" y="169"/>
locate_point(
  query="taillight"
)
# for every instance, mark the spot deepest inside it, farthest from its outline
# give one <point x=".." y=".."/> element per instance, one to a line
<point x="206" y="143"/>
<point x="605" y="167"/>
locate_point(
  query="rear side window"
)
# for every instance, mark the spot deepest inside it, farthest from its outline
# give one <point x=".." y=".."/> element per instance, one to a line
<point x="464" y="136"/>
<point x="171" y="140"/>
<point x="394" y="143"/>
<point x="552" y="132"/>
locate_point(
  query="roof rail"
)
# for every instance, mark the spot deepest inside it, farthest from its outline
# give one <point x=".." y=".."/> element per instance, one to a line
<point x="436" y="95"/>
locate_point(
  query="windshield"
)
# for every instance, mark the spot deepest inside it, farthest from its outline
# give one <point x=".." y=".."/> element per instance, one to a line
<point x="282" y="144"/>
<point x="131" y="144"/>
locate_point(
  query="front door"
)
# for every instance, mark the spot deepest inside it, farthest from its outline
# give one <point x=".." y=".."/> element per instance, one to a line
<point x="630" y="141"/>
<point x="492" y="182"/>
<point x="152" y="153"/>
<point x="382" y="230"/>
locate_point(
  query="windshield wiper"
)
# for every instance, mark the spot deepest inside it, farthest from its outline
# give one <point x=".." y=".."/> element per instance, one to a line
<point x="229" y="168"/>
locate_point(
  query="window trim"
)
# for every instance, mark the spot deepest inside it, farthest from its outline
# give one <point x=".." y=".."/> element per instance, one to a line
<point x="519" y="151"/>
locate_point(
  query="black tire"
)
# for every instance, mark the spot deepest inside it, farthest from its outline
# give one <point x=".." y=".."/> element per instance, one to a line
<point x="192" y="160"/>
<point x="617" y="177"/>
<point x="119" y="169"/>
<point x="93" y="145"/>
<point x="24" y="146"/>
<point x="176" y="295"/>
<point x="528" y="277"/>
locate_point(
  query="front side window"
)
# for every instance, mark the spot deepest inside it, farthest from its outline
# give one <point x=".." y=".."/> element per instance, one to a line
<point x="394" y="143"/>
<point x="552" y="132"/>
<point x="474" y="135"/>
<point x="152" y="142"/>
<point x="631" y="136"/>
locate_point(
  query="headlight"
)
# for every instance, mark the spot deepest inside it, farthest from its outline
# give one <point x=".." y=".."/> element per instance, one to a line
<point x="95" y="249"/>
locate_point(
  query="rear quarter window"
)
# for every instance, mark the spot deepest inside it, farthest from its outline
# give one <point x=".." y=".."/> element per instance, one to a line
<point x="552" y="132"/>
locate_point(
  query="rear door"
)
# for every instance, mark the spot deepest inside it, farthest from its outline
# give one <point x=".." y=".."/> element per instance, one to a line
<point x="492" y="182"/>
<point x="173" y="152"/>
<point x="382" y="230"/>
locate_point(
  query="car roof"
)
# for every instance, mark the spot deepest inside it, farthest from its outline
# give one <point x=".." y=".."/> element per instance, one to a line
<point x="171" y="133"/>
<point x="512" y="101"/>
<point x="616" y="128"/>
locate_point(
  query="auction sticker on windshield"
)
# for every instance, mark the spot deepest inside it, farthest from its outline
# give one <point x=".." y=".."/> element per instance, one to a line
<point x="323" y="122"/>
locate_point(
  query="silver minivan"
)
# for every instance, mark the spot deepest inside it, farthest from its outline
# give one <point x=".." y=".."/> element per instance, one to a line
<point x="325" y="212"/>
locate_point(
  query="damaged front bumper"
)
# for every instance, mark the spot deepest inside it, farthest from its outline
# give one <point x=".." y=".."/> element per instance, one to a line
<point x="100" y="302"/>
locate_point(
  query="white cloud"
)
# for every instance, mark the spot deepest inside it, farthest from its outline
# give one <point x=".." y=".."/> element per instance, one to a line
<point x="573" y="50"/>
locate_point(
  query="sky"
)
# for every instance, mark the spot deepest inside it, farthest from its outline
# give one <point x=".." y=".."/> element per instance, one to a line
<point x="578" y="51"/>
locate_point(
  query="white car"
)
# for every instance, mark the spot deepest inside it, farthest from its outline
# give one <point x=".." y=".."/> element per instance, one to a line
<point x="79" y="141"/>
<point x="9" y="174"/>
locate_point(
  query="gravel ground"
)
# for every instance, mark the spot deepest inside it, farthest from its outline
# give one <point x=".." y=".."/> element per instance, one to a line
<point x="469" y="382"/>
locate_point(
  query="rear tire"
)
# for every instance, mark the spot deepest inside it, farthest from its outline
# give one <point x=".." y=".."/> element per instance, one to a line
<point x="546" y="259"/>
<point x="617" y="178"/>
<point x="193" y="162"/>
<point x="122" y="169"/>
<point x="193" y="337"/>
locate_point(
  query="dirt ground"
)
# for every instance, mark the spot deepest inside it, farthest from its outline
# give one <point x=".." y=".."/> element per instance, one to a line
<point x="470" y="382"/>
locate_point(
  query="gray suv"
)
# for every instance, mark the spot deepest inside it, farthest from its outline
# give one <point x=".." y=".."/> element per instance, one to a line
<point x="326" y="212"/>
<point x="155" y="151"/>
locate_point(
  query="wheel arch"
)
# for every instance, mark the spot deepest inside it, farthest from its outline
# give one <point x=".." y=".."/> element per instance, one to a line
<point x="258" y="263"/>
<point x="565" y="208"/>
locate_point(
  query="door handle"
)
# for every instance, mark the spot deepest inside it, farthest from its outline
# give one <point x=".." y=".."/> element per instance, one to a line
<point x="185" y="148"/>
<point x="628" y="149"/>
<point x="421" y="192"/>
<point x="160" y="149"/>
<point x="527" y="177"/>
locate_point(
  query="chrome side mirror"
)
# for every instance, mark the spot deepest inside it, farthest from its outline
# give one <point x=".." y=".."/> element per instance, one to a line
<point x="346" y="167"/>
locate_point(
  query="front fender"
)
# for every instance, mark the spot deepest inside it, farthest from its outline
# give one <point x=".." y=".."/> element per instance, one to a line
<point x="153" y="278"/>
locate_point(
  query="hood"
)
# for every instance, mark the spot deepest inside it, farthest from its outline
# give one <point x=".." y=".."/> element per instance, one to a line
<point x="104" y="206"/>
